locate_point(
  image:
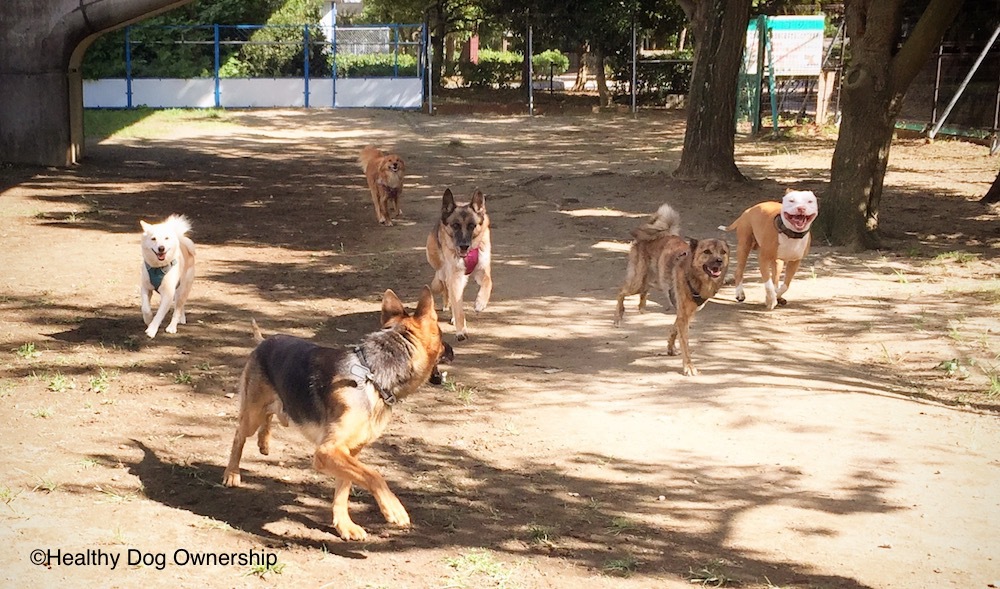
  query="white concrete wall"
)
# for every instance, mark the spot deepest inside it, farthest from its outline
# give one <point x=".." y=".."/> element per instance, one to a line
<point x="255" y="93"/>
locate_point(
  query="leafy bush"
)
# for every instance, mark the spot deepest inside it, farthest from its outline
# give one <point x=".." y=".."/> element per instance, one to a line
<point x="376" y="65"/>
<point x="499" y="69"/>
<point x="658" y="75"/>
<point x="549" y="59"/>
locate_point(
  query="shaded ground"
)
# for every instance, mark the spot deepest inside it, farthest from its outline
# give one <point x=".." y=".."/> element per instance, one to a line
<point x="847" y="440"/>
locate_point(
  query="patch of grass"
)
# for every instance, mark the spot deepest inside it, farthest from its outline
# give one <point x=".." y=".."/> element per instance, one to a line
<point x="473" y="567"/>
<point x="621" y="567"/>
<point x="149" y="123"/>
<point x="900" y="277"/>
<point x="465" y="394"/>
<point x="183" y="378"/>
<point x="263" y="570"/>
<point x="713" y="574"/>
<point x="8" y="495"/>
<point x="44" y="484"/>
<point x="27" y="351"/>
<point x="101" y="382"/>
<point x="43" y="412"/>
<point x="953" y="369"/>
<point x="60" y="383"/>
<point x="957" y="257"/>
<point x="539" y="534"/>
<point x="620" y="525"/>
<point x="114" y="495"/>
<point x="6" y="390"/>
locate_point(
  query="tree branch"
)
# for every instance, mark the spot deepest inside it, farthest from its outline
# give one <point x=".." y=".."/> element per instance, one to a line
<point x="926" y="35"/>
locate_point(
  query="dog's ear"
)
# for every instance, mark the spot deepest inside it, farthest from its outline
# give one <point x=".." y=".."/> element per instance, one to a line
<point x="425" y="307"/>
<point x="447" y="203"/>
<point x="145" y="226"/>
<point x="693" y="244"/>
<point x="788" y="189"/>
<point x="479" y="201"/>
<point x="392" y="308"/>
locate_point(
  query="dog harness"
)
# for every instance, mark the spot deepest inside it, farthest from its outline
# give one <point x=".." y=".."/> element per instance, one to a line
<point x="471" y="260"/>
<point x="156" y="274"/>
<point x="695" y="295"/>
<point x="364" y="375"/>
<point x="783" y="229"/>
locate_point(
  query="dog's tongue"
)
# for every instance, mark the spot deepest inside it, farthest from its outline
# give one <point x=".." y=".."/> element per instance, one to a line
<point x="161" y="257"/>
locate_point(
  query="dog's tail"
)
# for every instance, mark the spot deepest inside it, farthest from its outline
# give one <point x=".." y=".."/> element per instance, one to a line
<point x="369" y="153"/>
<point x="665" y="221"/>
<point x="730" y="228"/>
<point x="179" y="223"/>
<point x="257" y="335"/>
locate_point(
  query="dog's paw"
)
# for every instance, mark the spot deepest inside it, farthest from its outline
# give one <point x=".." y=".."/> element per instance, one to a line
<point x="349" y="530"/>
<point x="151" y="332"/>
<point x="690" y="370"/>
<point x="782" y="302"/>
<point x="172" y="328"/>
<point x="231" y="479"/>
<point x="480" y="306"/>
<point x="671" y="351"/>
<point x="395" y="513"/>
<point x="460" y="336"/>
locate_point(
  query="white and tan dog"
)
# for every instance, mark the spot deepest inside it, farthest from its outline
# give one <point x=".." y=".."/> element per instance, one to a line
<point x="780" y="230"/>
<point x="167" y="268"/>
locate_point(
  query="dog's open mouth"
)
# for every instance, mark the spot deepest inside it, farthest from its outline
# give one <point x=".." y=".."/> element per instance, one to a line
<point x="713" y="270"/>
<point x="160" y="255"/>
<point x="799" y="222"/>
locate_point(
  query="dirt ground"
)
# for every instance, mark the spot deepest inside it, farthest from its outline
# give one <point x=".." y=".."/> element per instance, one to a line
<point x="847" y="440"/>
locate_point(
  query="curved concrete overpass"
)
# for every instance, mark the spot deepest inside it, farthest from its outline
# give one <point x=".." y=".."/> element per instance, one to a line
<point x="42" y="44"/>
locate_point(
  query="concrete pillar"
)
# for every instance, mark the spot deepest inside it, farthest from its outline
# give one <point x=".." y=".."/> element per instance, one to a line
<point x="41" y="88"/>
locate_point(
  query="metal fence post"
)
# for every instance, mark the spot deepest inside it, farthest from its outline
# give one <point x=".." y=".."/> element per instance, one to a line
<point x="128" y="67"/>
<point x="305" y="52"/>
<point x="218" y="84"/>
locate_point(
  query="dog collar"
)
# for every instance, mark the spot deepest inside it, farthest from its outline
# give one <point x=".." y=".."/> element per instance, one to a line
<point x="695" y="295"/>
<point x="156" y="273"/>
<point x="471" y="260"/>
<point x="782" y="228"/>
<point x="362" y="372"/>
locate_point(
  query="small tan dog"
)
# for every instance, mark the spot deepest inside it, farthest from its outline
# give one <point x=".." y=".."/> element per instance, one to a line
<point x="384" y="174"/>
<point x="168" y="269"/>
<point x="780" y="231"/>
<point x="689" y="271"/>
<point x="458" y="247"/>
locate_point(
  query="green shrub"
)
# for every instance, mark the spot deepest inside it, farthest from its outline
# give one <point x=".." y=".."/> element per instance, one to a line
<point x="549" y="61"/>
<point x="376" y="65"/>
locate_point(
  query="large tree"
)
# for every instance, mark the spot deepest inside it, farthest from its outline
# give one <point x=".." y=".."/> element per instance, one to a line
<point x="719" y="28"/>
<point x="878" y="73"/>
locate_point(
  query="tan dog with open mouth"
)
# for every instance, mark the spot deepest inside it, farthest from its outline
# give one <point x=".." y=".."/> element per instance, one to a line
<point x="340" y="399"/>
<point x="458" y="247"/>
<point x="780" y="233"/>
<point x="384" y="174"/>
<point x="689" y="271"/>
<point x="168" y="269"/>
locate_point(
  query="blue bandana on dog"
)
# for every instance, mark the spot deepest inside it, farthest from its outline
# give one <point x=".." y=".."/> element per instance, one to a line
<point x="156" y="274"/>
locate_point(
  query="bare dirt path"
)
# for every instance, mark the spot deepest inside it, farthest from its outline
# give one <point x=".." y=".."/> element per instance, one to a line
<point x="848" y="440"/>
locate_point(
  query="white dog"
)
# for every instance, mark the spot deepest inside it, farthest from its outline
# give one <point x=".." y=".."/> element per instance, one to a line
<point x="167" y="268"/>
<point x="780" y="233"/>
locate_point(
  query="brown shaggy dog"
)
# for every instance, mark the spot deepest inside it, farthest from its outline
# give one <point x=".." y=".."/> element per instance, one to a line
<point x="384" y="173"/>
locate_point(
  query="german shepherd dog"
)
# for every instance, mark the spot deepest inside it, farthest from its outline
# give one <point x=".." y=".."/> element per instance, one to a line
<point x="459" y="247"/>
<point x="384" y="174"/>
<point x="167" y="268"/>
<point x="340" y="399"/>
<point x="689" y="271"/>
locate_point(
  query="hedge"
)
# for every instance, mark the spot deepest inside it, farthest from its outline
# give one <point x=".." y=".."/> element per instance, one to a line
<point x="500" y="69"/>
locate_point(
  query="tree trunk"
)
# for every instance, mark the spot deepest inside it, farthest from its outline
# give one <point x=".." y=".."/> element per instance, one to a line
<point x="604" y="95"/>
<point x="993" y="194"/>
<point x="438" y="32"/>
<point x="719" y="28"/>
<point x="875" y="82"/>
<point x="583" y="71"/>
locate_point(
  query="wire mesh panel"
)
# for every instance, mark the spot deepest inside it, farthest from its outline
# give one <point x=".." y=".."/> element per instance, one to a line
<point x="377" y="51"/>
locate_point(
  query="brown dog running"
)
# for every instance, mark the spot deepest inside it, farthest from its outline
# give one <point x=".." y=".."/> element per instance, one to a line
<point x="341" y="400"/>
<point x="458" y="247"/>
<point x="689" y="271"/>
<point x="780" y="233"/>
<point x="384" y="174"/>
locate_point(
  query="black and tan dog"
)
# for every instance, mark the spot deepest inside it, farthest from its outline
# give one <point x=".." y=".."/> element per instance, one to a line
<point x="458" y="247"/>
<point x="341" y="400"/>
<point x="689" y="271"/>
<point x="384" y="174"/>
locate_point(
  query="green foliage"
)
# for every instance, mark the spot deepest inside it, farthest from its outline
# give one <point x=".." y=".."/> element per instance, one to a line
<point x="376" y="65"/>
<point x="499" y="69"/>
<point x="658" y="75"/>
<point x="549" y="61"/>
